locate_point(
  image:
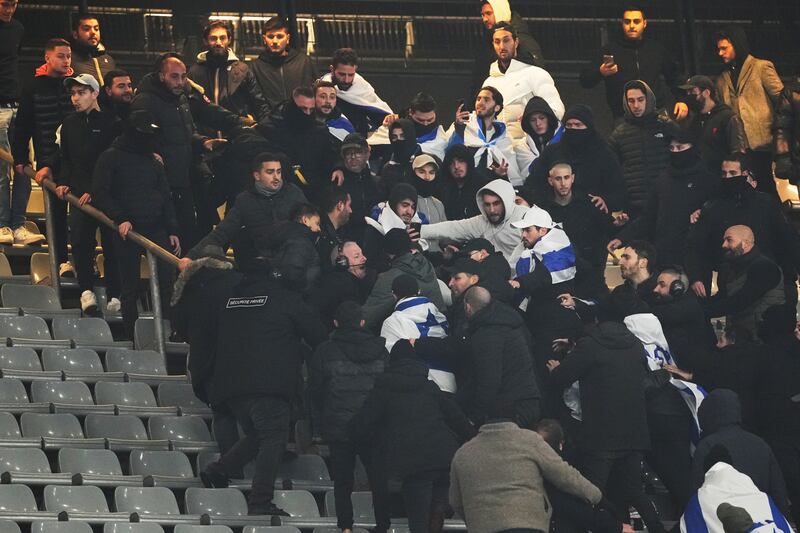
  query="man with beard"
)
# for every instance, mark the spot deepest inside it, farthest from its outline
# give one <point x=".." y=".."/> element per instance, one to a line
<point x="460" y="183"/>
<point x="596" y="168"/>
<point x="542" y="128"/>
<point x="294" y="130"/>
<point x="355" y="96"/>
<point x="226" y="80"/>
<point x="720" y="130"/>
<point x="118" y="93"/>
<point x="752" y="88"/>
<point x="680" y="190"/>
<point x="89" y="56"/>
<point x="633" y="56"/>
<point x="280" y="68"/>
<point x="399" y="211"/>
<point x="517" y="81"/>
<point x="336" y="210"/>
<point x="640" y="143"/>
<point x="339" y="126"/>
<point x="737" y="203"/>
<point x="749" y="282"/>
<point x="429" y="133"/>
<point x="359" y="181"/>
<point x="494" y="12"/>
<point x="487" y="137"/>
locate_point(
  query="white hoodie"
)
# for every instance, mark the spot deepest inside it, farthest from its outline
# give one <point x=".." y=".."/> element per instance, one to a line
<point x="503" y="236"/>
<point x="724" y="484"/>
<point x="518" y="84"/>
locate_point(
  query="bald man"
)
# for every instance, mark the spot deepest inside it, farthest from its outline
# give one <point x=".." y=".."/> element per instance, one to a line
<point x="749" y="282"/>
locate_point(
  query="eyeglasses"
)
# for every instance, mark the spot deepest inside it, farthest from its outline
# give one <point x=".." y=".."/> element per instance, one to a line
<point x="354" y="155"/>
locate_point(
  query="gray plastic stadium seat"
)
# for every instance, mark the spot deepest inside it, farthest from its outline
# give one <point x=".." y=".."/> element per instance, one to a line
<point x="69" y="392"/>
<point x="88" y="461"/>
<point x="186" y="433"/>
<point x="160" y="463"/>
<point x="8" y="526"/>
<point x="336" y="530"/>
<point x="12" y="391"/>
<point x="135" y="361"/>
<point x="24" y="327"/>
<point x="19" y="358"/>
<point x="362" y="506"/>
<point x="123" y="432"/>
<point x="39" y="297"/>
<point x="187" y="528"/>
<point x="181" y="395"/>
<point x="50" y="425"/>
<point x="81" y="499"/>
<point x="9" y="429"/>
<point x="131" y="527"/>
<point x="216" y="502"/>
<point x="28" y="460"/>
<point x="270" y="529"/>
<point x="60" y="527"/>
<point x="84" y="330"/>
<point x="72" y="360"/>
<point x="298" y="503"/>
<point x="127" y="394"/>
<point x="17" y="498"/>
<point x="305" y="467"/>
<point x="144" y="337"/>
<point x="146" y="500"/>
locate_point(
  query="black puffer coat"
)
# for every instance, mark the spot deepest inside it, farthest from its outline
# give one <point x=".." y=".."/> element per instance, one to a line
<point x="341" y="375"/>
<point x="641" y="147"/>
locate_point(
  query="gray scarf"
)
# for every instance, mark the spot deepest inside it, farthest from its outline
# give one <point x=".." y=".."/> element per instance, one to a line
<point x="264" y="190"/>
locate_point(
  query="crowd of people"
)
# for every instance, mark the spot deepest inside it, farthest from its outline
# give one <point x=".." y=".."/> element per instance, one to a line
<point x="442" y="279"/>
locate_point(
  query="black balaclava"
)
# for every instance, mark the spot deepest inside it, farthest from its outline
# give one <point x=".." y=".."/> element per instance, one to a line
<point x="574" y="138"/>
<point x="405" y="149"/>
<point x="733" y="186"/>
<point x="296" y="119"/>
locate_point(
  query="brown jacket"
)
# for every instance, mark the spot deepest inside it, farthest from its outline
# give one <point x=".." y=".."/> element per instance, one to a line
<point x="754" y="98"/>
<point x="497" y="480"/>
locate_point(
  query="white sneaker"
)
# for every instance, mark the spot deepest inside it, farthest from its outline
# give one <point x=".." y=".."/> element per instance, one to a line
<point x="6" y="236"/>
<point x="114" y="305"/>
<point x="23" y="236"/>
<point x="66" y="270"/>
<point x="88" y="301"/>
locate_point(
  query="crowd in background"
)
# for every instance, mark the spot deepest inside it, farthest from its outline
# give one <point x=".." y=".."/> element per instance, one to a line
<point x="442" y="277"/>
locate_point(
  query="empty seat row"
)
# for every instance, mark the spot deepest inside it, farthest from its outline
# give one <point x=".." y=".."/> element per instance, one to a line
<point x="170" y="468"/>
<point x="112" y="397"/>
<point x="7" y="526"/>
<point x="87" y="330"/>
<point x="117" y="432"/>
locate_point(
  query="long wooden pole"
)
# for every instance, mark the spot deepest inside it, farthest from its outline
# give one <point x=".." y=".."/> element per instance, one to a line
<point x="138" y="238"/>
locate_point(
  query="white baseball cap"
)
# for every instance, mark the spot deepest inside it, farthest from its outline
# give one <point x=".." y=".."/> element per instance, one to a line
<point x="534" y="216"/>
<point x="86" y="80"/>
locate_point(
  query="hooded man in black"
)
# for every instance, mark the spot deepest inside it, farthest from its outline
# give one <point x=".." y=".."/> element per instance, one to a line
<point x="634" y="56"/>
<point x="720" y="422"/>
<point x="681" y="189"/>
<point x="597" y="171"/>
<point x="640" y="143"/>
<point x="293" y="130"/>
<point x="403" y="140"/>
<point x="280" y="68"/>
<point x="460" y="183"/>
<point x="542" y="128"/>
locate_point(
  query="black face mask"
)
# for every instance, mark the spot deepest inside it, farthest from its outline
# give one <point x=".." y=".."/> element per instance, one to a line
<point x="403" y="150"/>
<point x="683" y="159"/>
<point x="425" y="188"/>
<point x="576" y="138"/>
<point x="424" y="129"/>
<point x="733" y="186"/>
<point x="296" y="119"/>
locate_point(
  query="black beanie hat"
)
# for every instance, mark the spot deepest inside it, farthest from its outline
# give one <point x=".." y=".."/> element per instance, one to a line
<point x="396" y="242"/>
<point x="581" y="112"/>
<point x="400" y="192"/>
<point x="405" y="286"/>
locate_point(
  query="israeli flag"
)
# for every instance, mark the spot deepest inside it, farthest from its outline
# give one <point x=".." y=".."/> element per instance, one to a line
<point x="648" y="330"/>
<point x="340" y="127"/>
<point x="555" y="251"/>
<point x="361" y="94"/>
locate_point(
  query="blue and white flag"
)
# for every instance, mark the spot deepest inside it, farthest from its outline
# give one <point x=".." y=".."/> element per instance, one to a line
<point x="434" y="142"/>
<point x="383" y="218"/>
<point x="647" y="329"/>
<point x="498" y="146"/>
<point x="724" y="484"/>
<point x="361" y="94"/>
<point x="555" y="251"/>
<point x="417" y="317"/>
<point x="340" y="127"/>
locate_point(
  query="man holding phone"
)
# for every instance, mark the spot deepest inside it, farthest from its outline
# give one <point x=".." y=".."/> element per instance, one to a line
<point x="633" y="57"/>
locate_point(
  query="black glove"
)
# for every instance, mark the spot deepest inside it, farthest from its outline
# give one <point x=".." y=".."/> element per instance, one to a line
<point x="784" y="168"/>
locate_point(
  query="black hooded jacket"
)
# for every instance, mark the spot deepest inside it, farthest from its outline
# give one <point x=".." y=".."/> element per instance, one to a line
<point x="305" y="141"/>
<point x="341" y="375"/>
<point x="647" y="60"/>
<point x="458" y="197"/>
<point x="417" y="427"/>
<point x="664" y="220"/>
<point x="720" y="422"/>
<point x="537" y="104"/>
<point x="398" y="168"/>
<point x="641" y="145"/>
<point x="502" y="369"/>
<point x="279" y="75"/>
<point x="595" y="166"/>
<point x="609" y="365"/>
<point x="720" y="133"/>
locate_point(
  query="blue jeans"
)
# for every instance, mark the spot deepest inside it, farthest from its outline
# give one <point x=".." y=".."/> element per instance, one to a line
<point x="12" y="207"/>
